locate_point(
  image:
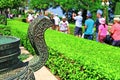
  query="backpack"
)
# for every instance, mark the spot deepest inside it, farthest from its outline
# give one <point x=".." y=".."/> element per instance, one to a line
<point x="108" y="39"/>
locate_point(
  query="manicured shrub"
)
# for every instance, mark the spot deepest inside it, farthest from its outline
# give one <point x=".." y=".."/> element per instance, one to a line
<point x="2" y="19"/>
<point x="22" y="19"/>
<point x="19" y="29"/>
<point x="69" y="69"/>
<point x="97" y="59"/>
<point x="73" y="58"/>
<point x="4" y="30"/>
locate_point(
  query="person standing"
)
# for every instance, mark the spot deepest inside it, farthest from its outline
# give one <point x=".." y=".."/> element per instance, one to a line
<point x="64" y="26"/>
<point x="89" y="26"/>
<point x="30" y="18"/>
<point x="102" y="30"/>
<point x="53" y="21"/>
<point x="115" y="32"/>
<point x="57" y="21"/>
<point x="97" y="23"/>
<point x="78" y="24"/>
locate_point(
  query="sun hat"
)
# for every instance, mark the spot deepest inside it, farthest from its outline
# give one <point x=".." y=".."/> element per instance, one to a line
<point x="102" y="20"/>
<point x="89" y="14"/>
<point x="63" y="17"/>
<point x="79" y="13"/>
<point x="99" y="12"/>
<point x="116" y="19"/>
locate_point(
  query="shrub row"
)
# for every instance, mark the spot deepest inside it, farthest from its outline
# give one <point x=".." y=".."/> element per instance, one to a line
<point x="2" y="19"/>
<point x="73" y="58"/>
<point x="70" y="69"/>
<point x="5" y="30"/>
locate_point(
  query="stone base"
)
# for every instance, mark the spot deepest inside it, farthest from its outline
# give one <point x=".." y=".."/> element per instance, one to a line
<point x="21" y="72"/>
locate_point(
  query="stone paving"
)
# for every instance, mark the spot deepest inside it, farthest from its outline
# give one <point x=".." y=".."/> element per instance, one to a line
<point x="43" y="73"/>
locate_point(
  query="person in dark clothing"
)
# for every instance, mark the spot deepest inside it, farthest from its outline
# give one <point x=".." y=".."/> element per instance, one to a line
<point x="97" y="23"/>
<point x="53" y="21"/>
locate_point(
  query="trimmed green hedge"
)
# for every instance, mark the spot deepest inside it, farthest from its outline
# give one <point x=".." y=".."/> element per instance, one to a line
<point x="73" y="58"/>
<point x="3" y="19"/>
<point x="19" y="29"/>
<point x="5" y="30"/>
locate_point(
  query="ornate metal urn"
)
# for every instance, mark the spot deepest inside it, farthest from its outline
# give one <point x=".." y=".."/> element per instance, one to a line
<point x="11" y="68"/>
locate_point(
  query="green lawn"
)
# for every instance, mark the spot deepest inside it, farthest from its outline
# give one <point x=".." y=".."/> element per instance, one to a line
<point x="72" y="26"/>
<point x="74" y="58"/>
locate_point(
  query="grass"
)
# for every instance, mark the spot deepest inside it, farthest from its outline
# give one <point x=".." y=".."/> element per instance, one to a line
<point x="18" y="25"/>
<point x="101" y="57"/>
<point x="23" y="56"/>
<point x="98" y="61"/>
<point x="72" y="26"/>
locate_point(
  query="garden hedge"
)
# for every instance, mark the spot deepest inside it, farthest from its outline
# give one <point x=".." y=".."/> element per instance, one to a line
<point x="3" y="19"/>
<point x="72" y="58"/>
<point x="4" y="30"/>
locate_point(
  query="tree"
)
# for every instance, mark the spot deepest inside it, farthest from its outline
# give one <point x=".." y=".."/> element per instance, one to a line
<point x="39" y="4"/>
<point x="5" y="4"/>
<point x="67" y="4"/>
<point x="92" y="5"/>
<point x="10" y="3"/>
<point x="114" y="3"/>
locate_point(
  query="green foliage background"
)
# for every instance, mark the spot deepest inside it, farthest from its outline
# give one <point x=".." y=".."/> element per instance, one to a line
<point x="92" y="5"/>
<point x="73" y="58"/>
<point x="10" y="3"/>
<point x="2" y="19"/>
<point x="5" y="30"/>
<point x="117" y="11"/>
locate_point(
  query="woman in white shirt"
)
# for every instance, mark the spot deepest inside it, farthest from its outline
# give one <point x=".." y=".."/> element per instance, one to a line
<point x="57" y="20"/>
<point x="78" y="24"/>
<point x="64" y="25"/>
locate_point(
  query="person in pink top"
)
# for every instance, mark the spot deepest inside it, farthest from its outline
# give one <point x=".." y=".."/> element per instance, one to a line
<point x="102" y="31"/>
<point x="115" y="32"/>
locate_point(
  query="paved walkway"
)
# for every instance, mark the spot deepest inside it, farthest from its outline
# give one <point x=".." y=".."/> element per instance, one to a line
<point x="43" y="73"/>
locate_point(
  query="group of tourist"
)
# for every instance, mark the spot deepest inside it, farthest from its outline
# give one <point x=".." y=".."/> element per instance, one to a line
<point x="88" y="25"/>
<point x="101" y="28"/>
<point x="60" y="25"/>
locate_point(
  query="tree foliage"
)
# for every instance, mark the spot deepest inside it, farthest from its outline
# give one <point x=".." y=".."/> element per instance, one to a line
<point x="79" y="4"/>
<point x="117" y="7"/>
<point x="39" y="4"/>
<point x="67" y="4"/>
<point x="10" y="3"/>
<point x="5" y="4"/>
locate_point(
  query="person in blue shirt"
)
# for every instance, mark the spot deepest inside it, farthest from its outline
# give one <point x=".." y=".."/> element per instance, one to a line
<point x="89" y="26"/>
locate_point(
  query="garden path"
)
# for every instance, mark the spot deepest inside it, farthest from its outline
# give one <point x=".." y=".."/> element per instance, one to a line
<point x="42" y="74"/>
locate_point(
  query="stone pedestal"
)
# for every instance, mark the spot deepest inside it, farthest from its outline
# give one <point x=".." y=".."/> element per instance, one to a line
<point x="11" y="68"/>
